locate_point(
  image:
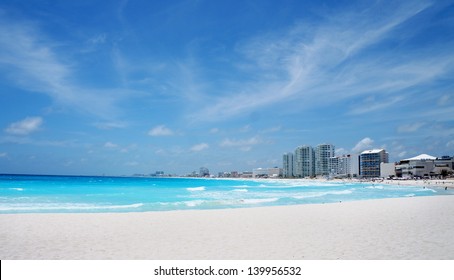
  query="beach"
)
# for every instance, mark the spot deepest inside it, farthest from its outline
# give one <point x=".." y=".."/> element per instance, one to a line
<point x="397" y="228"/>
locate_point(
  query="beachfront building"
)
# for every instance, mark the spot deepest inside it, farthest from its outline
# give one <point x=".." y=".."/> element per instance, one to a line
<point x="287" y="164"/>
<point x="424" y="166"/>
<point x="345" y="166"/>
<point x="333" y="166"/>
<point x="351" y="165"/>
<point x="387" y="170"/>
<point x="304" y="162"/>
<point x="419" y="166"/>
<point x="370" y="162"/>
<point x="323" y="153"/>
<point x="274" y="172"/>
<point x="444" y="164"/>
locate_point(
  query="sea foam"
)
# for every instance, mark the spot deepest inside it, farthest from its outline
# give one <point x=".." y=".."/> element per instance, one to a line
<point x="196" y="189"/>
<point x="63" y="206"/>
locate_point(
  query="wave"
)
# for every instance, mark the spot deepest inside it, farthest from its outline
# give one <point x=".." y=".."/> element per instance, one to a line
<point x="64" y="206"/>
<point x="16" y="189"/>
<point x="296" y="184"/>
<point x="194" y="203"/>
<point x="320" y="194"/>
<point x="240" y="190"/>
<point x="426" y="190"/>
<point x="196" y="189"/>
<point x="375" y="187"/>
<point x="242" y="186"/>
<point x="258" y="200"/>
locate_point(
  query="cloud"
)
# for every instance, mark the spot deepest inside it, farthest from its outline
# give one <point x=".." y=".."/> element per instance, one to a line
<point x="310" y="64"/>
<point x="450" y="144"/>
<point x="444" y="100"/>
<point x="98" y="39"/>
<point x="199" y="147"/>
<point x="373" y="105"/>
<point x="110" y="125"/>
<point x="341" y="151"/>
<point x="272" y="129"/>
<point x="33" y="63"/>
<point x="406" y="128"/>
<point x="110" y="145"/>
<point x="160" y="130"/>
<point x="364" y="144"/>
<point x="3" y="155"/>
<point x="131" y="163"/>
<point x="244" y="144"/>
<point x="402" y="154"/>
<point x="25" y="127"/>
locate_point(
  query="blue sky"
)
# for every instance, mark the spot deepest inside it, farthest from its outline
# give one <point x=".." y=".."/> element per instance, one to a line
<point x="123" y="87"/>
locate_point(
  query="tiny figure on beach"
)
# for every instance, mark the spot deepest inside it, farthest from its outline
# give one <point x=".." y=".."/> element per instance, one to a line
<point x="446" y="188"/>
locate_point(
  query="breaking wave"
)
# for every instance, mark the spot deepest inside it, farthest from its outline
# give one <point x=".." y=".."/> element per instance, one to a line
<point x="196" y="189"/>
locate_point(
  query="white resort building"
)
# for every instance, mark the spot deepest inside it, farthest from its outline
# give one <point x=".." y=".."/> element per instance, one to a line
<point x="424" y="166"/>
<point x="274" y="172"/>
<point x="345" y="166"/>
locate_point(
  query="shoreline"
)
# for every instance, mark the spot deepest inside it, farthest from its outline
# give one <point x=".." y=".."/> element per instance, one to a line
<point x="438" y="183"/>
<point x="397" y="228"/>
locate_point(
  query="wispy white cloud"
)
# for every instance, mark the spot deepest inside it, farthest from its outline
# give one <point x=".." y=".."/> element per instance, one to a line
<point x="314" y="64"/>
<point x="34" y="64"/>
<point x="450" y="144"/>
<point x="371" y="104"/>
<point x="444" y="100"/>
<point x="110" y="125"/>
<point x="26" y="140"/>
<point x="199" y="147"/>
<point x="402" y="154"/>
<point x="243" y="144"/>
<point x="25" y="126"/>
<point x="98" y="39"/>
<point x="407" y="128"/>
<point x="110" y="145"/>
<point x="3" y="155"/>
<point x="363" y="144"/>
<point x="341" y="151"/>
<point x="160" y="130"/>
<point x="272" y="129"/>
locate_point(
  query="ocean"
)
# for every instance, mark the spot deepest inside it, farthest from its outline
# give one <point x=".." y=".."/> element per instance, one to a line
<point x="85" y="194"/>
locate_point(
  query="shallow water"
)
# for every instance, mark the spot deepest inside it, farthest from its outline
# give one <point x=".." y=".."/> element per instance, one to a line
<point x="82" y="194"/>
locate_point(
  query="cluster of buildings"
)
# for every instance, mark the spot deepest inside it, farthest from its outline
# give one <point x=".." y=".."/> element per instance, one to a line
<point x="310" y="162"/>
<point x="321" y="161"/>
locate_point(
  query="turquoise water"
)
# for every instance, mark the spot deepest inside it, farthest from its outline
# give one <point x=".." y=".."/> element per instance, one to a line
<point x="72" y="194"/>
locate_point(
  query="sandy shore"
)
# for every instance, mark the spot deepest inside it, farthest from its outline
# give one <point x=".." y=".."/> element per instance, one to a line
<point x="403" y="228"/>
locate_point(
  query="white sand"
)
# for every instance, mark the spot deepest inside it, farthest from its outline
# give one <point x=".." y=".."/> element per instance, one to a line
<point x="403" y="228"/>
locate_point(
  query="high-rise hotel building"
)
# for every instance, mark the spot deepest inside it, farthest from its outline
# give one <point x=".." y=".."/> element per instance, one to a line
<point x="287" y="164"/>
<point x="304" y="162"/>
<point x="344" y="166"/>
<point x="323" y="152"/>
<point x="370" y="162"/>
